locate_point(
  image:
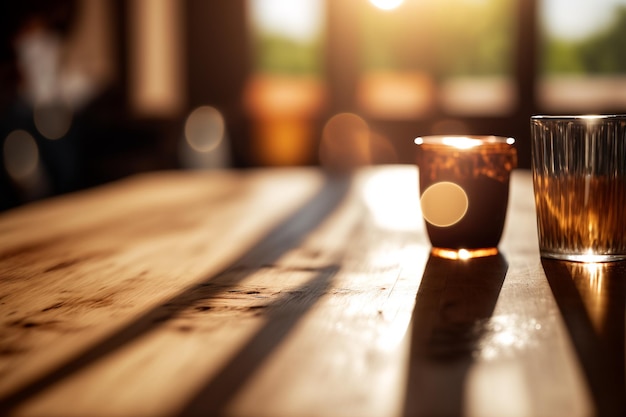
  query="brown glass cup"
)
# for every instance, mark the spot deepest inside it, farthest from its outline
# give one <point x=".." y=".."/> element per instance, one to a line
<point x="464" y="190"/>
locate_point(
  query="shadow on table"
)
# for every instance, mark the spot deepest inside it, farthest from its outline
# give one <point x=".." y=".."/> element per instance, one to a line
<point x="453" y="305"/>
<point x="592" y="301"/>
<point x="282" y="317"/>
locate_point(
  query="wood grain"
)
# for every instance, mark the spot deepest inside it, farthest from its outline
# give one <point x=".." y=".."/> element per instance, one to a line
<point x="287" y="292"/>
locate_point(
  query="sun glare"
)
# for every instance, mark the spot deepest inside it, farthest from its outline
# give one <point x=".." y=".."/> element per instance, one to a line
<point x="387" y="4"/>
<point x="299" y="20"/>
<point x="391" y="199"/>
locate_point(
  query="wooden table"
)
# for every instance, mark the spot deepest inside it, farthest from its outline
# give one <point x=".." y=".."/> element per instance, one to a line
<point x="288" y="292"/>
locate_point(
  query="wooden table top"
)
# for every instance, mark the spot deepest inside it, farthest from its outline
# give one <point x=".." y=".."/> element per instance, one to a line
<point x="288" y="292"/>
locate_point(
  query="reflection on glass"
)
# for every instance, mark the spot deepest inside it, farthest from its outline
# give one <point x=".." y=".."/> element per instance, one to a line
<point x="582" y="55"/>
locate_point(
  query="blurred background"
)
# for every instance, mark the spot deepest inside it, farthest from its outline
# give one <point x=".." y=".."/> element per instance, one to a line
<point x="95" y="90"/>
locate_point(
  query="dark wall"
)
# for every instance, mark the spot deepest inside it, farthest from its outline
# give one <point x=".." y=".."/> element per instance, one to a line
<point x="218" y="63"/>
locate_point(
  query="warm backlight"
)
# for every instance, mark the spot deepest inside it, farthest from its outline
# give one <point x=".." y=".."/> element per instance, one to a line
<point x="386" y="4"/>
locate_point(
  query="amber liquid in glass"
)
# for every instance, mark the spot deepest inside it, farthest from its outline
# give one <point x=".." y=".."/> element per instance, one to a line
<point x="581" y="216"/>
<point x="483" y="173"/>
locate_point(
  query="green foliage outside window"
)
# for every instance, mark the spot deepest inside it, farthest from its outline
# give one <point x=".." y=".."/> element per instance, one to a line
<point x="603" y="53"/>
<point x="278" y="54"/>
<point x="447" y="38"/>
<point x="453" y="38"/>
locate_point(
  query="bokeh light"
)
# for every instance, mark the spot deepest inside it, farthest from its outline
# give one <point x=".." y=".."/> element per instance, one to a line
<point x="204" y="128"/>
<point x="283" y="112"/>
<point x="396" y="95"/>
<point x="21" y="155"/>
<point x="444" y="204"/>
<point x="345" y="142"/>
<point x="348" y="143"/>
<point x="52" y="119"/>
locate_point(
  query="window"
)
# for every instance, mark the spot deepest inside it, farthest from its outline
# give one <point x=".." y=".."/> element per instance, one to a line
<point x="454" y="54"/>
<point x="285" y="91"/>
<point x="582" y="55"/>
<point x="410" y="68"/>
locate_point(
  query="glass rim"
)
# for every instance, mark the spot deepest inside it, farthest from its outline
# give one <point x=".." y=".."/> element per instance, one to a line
<point x="577" y="116"/>
<point x="466" y="141"/>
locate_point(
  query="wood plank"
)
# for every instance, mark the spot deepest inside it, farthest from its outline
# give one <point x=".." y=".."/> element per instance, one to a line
<point x="275" y="293"/>
<point x="87" y="275"/>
